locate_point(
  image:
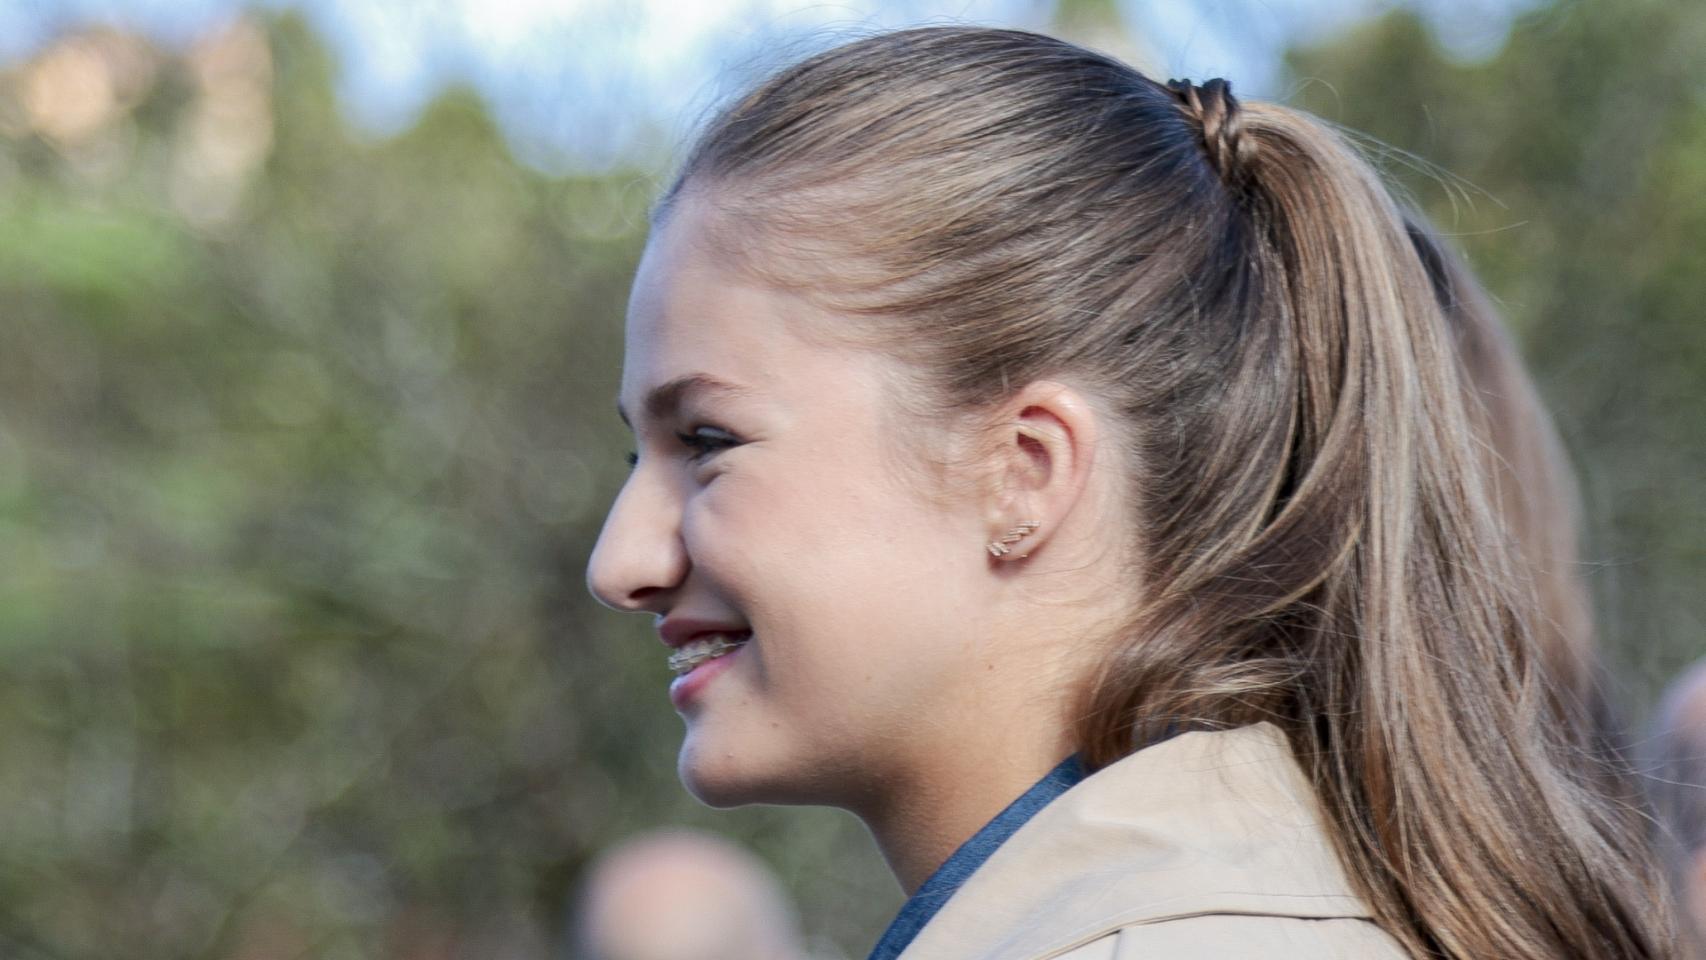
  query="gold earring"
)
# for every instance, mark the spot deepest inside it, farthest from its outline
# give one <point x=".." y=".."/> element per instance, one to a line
<point x="1000" y="548"/>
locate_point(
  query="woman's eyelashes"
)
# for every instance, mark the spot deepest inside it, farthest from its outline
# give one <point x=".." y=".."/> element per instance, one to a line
<point x="706" y="440"/>
<point x="702" y="441"/>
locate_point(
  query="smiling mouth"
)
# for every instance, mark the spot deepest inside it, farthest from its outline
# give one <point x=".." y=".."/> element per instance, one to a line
<point x="709" y="647"/>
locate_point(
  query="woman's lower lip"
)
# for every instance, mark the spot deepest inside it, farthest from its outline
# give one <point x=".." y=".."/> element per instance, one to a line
<point x="684" y="688"/>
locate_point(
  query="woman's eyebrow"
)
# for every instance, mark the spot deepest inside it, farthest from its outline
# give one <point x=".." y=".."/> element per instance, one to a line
<point x="663" y="400"/>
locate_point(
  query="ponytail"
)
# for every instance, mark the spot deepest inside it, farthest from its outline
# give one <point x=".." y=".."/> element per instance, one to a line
<point x="1399" y="638"/>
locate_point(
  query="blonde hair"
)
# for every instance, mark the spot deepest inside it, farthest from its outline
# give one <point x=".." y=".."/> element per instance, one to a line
<point x="1318" y="535"/>
<point x="1524" y="456"/>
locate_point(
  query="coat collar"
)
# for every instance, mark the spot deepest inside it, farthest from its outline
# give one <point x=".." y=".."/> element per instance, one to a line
<point x="1202" y="823"/>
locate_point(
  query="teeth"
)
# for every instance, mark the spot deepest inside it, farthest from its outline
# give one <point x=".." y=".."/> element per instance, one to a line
<point x="710" y="646"/>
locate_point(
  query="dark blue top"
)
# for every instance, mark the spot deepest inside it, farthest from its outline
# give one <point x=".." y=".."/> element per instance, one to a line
<point x="953" y="873"/>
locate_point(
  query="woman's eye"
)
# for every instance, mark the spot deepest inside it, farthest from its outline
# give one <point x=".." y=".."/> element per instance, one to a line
<point x="633" y="459"/>
<point x="704" y="441"/>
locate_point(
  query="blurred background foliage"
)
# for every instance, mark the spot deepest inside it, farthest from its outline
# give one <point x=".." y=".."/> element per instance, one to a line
<point x="305" y="437"/>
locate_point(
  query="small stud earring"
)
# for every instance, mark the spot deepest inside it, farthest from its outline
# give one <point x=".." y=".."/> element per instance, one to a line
<point x="999" y="548"/>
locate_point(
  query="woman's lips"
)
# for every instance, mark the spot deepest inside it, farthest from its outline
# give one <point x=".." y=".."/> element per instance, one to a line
<point x="685" y="688"/>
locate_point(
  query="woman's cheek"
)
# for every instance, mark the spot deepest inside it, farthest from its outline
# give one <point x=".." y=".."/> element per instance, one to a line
<point x="723" y="534"/>
<point x="705" y="510"/>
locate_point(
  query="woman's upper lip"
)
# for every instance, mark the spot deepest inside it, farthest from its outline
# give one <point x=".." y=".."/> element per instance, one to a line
<point x="676" y="631"/>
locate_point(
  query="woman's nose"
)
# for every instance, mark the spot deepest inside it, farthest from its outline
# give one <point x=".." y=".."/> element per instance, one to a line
<point x="639" y="559"/>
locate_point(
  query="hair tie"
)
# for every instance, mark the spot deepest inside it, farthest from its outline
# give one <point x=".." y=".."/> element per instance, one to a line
<point x="1215" y="110"/>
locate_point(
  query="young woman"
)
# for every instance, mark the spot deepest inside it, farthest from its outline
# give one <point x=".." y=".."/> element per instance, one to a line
<point x="1078" y="479"/>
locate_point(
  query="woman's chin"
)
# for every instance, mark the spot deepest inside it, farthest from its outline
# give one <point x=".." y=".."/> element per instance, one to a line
<point x="720" y="776"/>
<point x="715" y="778"/>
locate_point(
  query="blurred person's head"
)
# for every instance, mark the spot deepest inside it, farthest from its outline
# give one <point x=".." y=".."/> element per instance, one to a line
<point x="681" y="895"/>
<point x="1677" y="780"/>
<point x="980" y="286"/>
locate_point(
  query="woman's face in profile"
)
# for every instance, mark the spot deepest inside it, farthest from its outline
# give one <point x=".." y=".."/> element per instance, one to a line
<point x="766" y="498"/>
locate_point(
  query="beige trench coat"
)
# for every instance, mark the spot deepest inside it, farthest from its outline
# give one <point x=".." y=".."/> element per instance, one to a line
<point x="1207" y="845"/>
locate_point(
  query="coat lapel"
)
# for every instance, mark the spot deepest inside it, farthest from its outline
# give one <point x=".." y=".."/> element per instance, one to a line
<point x="1205" y="822"/>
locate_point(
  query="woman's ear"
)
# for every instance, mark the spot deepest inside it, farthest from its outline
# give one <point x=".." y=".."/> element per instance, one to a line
<point x="1043" y="450"/>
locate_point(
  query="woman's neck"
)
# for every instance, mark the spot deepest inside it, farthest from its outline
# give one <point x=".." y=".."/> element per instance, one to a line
<point x="919" y="824"/>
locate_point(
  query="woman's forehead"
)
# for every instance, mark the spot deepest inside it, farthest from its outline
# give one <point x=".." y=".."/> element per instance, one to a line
<point x="692" y="307"/>
<point x="687" y="312"/>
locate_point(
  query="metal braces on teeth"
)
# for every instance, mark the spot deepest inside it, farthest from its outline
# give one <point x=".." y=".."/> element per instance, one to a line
<point x="699" y="651"/>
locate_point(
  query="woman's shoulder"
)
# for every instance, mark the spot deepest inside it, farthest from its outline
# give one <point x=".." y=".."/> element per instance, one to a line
<point x="1208" y="844"/>
<point x="1247" y="937"/>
